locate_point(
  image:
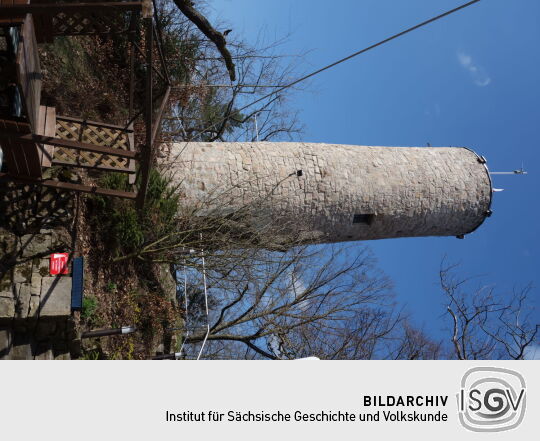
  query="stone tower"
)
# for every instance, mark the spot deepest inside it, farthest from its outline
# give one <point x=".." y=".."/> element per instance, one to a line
<point x="334" y="193"/>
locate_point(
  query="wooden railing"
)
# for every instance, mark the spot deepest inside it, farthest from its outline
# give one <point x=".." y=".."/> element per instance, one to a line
<point x="39" y="138"/>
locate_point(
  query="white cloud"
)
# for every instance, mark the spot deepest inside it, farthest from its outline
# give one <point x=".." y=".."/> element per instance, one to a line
<point x="464" y="59"/>
<point x="433" y="110"/>
<point x="478" y="73"/>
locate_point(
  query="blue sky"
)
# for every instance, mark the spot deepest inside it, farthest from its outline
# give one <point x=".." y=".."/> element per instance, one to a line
<point x="471" y="79"/>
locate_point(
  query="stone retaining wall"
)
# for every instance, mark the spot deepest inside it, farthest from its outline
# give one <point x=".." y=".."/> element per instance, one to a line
<point x="26" y="289"/>
<point x="35" y="307"/>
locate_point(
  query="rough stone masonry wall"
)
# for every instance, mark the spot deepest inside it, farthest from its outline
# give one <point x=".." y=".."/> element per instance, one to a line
<point x="407" y="191"/>
<point x="35" y="308"/>
<point x="27" y="290"/>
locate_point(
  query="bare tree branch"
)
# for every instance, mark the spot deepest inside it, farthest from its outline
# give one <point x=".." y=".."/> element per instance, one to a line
<point x="187" y="8"/>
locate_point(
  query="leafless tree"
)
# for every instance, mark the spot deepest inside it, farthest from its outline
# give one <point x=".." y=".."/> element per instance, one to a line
<point x="205" y="101"/>
<point x="330" y="302"/>
<point x="188" y="9"/>
<point x="414" y="344"/>
<point x="485" y="325"/>
<point x="270" y="296"/>
<point x="220" y="223"/>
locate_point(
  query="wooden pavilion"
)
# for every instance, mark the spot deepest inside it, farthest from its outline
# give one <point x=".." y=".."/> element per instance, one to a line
<point x="33" y="137"/>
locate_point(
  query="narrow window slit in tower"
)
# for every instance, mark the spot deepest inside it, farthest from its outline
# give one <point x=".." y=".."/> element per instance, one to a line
<point x="363" y="219"/>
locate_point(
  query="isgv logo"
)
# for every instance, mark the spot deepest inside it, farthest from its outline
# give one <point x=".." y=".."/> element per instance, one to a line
<point x="491" y="399"/>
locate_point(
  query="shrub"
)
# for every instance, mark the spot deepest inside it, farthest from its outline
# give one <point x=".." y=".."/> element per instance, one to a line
<point x="118" y="222"/>
<point x="89" y="307"/>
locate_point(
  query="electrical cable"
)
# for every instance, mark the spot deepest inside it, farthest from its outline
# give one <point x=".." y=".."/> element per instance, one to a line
<point x="329" y="66"/>
<point x="206" y="305"/>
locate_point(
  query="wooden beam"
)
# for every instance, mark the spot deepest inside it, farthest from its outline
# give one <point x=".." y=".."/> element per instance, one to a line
<point x="95" y="123"/>
<point x="92" y="189"/>
<point x="29" y="76"/>
<point x="76" y="145"/>
<point x="21" y="156"/>
<point x="46" y="127"/>
<point x="131" y="163"/>
<point x="89" y="189"/>
<point x="131" y="75"/>
<point x="159" y="116"/>
<point x="93" y="167"/>
<point x="7" y="11"/>
<point x="160" y="51"/>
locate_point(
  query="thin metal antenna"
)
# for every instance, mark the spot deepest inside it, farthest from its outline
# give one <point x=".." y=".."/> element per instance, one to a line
<point x="205" y="301"/>
<point x="520" y="171"/>
<point x="186" y="324"/>
<point x="256" y="127"/>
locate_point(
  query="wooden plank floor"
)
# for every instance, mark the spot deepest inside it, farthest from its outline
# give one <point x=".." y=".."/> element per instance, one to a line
<point x="23" y="156"/>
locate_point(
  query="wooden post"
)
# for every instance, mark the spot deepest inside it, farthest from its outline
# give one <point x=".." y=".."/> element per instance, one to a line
<point x="159" y="115"/>
<point x="15" y="10"/>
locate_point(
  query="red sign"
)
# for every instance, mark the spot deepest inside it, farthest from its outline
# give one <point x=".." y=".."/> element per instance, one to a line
<point x="59" y="263"/>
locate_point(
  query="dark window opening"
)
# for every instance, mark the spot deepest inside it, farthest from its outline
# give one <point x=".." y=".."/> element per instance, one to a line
<point x="363" y="219"/>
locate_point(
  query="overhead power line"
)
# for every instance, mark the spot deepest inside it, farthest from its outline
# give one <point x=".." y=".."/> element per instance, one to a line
<point x="261" y="86"/>
<point x="373" y="46"/>
<point x="362" y="51"/>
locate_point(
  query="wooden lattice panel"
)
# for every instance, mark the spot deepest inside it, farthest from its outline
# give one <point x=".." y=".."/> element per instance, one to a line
<point x="89" y="23"/>
<point x="91" y="134"/>
<point x="28" y="207"/>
